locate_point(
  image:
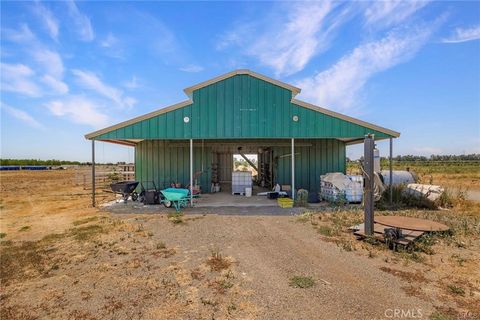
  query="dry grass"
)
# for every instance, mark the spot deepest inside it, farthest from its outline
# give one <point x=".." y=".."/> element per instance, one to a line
<point x="23" y="260"/>
<point x="217" y="262"/>
<point x="443" y="263"/>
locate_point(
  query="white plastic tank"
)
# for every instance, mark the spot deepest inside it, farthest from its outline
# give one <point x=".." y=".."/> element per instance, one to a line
<point x="398" y="177"/>
<point x="376" y="160"/>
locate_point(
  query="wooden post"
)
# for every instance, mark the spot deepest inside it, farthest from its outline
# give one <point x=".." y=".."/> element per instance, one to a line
<point x="391" y="170"/>
<point x="293" y="169"/>
<point x="369" y="145"/>
<point x="93" y="173"/>
<point x="191" y="172"/>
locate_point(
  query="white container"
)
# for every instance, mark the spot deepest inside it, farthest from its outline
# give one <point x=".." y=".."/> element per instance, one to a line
<point x="398" y="177"/>
<point x="337" y="186"/>
<point x="248" y="192"/>
<point x="240" y="181"/>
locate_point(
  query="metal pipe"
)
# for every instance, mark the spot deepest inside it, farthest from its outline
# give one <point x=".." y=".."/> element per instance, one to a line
<point x="248" y="160"/>
<point x="391" y="170"/>
<point x="369" y="145"/>
<point x="191" y="172"/>
<point x="293" y="169"/>
<point x="93" y="173"/>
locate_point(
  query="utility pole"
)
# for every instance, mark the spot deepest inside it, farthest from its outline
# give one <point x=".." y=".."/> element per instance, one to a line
<point x="93" y="173"/>
<point x="369" y="145"/>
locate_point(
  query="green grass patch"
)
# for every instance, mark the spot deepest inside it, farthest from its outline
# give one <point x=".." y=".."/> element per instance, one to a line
<point x="24" y="228"/>
<point x="87" y="232"/>
<point x="2" y="235"/>
<point x="85" y="220"/>
<point x="456" y="290"/>
<point x="302" y="282"/>
<point x="325" y="231"/>
<point x="176" y="217"/>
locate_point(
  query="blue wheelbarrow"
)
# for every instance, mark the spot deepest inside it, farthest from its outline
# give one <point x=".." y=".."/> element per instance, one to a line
<point x="175" y="197"/>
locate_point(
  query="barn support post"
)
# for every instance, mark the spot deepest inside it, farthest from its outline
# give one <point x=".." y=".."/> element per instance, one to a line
<point x="93" y="173"/>
<point x="368" y="167"/>
<point x="391" y="171"/>
<point x="191" y="172"/>
<point x="293" y="169"/>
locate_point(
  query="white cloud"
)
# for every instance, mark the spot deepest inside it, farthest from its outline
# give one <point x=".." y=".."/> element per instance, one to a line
<point x="289" y="38"/>
<point x="52" y="64"/>
<point x="22" y="35"/>
<point x="51" y="23"/>
<point x="339" y="86"/>
<point x="91" y="81"/>
<point x="18" y="78"/>
<point x="390" y="12"/>
<point x="21" y="115"/>
<point x="50" y="61"/>
<point x="463" y="35"/>
<point x="192" y="68"/>
<point x="132" y="84"/>
<point x="58" y="86"/>
<point x="82" y="24"/>
<point x="79" y="110"/>
<point x="109" y="41"/>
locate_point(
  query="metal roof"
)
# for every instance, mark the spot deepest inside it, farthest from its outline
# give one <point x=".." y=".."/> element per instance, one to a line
<point x="240" y="104"/>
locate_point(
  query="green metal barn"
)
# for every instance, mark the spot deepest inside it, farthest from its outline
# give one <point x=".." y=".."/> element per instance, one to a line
<point x="193" y="142"/>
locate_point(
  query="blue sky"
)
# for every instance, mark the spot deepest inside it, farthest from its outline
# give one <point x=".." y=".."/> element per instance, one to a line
<point x="68" y="68"/>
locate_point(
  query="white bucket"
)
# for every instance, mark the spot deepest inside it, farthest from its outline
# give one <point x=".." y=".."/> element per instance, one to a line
<point x="248" y="192"/>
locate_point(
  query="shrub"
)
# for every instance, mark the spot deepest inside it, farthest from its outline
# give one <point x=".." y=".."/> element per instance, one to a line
<point x="302" y="282"/>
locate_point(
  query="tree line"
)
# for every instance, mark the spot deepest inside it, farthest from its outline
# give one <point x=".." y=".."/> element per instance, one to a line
<point x="412" y="158"/>
<point x="462" y="157"/>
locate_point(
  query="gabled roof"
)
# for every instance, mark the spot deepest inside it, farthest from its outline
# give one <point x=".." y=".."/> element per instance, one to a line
<point x="287" y="86"/>
<point x="188" y="102"/>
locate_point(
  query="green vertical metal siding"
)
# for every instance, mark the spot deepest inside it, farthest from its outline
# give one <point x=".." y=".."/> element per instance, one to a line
<point x="241" y="106"/>
<point x="169" y="161"/>
<point x="325" y="155"/>
<point x="166" y="161"/>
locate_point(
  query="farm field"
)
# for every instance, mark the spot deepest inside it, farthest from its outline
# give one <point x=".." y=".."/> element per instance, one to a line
<point x="455" y="176"/>
<point x="62" y="259"/>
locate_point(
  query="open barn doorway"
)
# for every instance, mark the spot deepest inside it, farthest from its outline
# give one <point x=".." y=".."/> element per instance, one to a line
<point x="246" y="162"/>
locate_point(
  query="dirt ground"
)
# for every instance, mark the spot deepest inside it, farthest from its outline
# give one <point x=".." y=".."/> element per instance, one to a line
<point x="62" y="259"/>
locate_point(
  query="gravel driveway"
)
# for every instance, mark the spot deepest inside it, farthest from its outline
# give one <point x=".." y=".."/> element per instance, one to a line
<point x="270" y="250"/>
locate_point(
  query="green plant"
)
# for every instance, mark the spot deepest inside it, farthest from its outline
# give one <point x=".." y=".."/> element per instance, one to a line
<point x="24" y="228"/>
<point x="456" y="289"/>
<point x="225" y="284"/>
<point x="304" y="217"/>
<point x="437" y="315"/>
<point x="302" y="198"/>
<point x="302" y="282"/>
<point x="2" y="235"/>
<point x="114" y="176"/>
<point x="325" y="231"/>
<point x="175" y="218"/>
